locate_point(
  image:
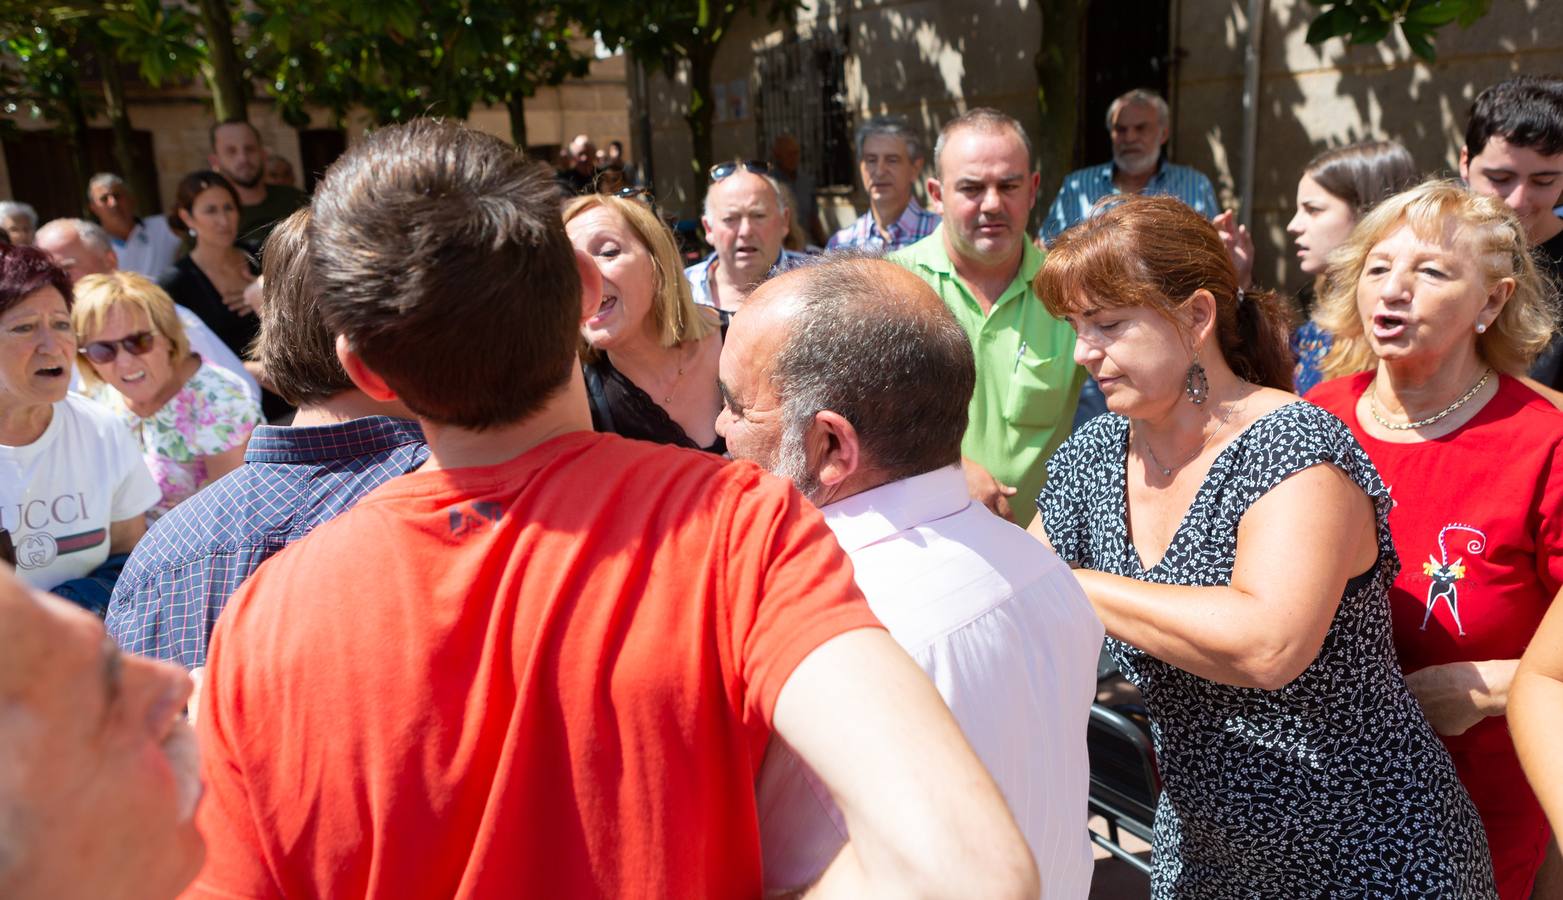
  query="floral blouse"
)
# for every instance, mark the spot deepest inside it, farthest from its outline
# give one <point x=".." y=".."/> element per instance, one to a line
<point x="210" y="414"/>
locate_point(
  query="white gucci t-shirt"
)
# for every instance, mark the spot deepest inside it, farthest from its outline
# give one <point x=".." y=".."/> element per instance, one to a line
<point x="59" y="494"/>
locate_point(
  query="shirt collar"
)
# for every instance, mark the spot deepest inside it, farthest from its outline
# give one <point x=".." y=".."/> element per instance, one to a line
<point x="1107" y="169"/>
<point x="934" y="258"/>
<point x="904" y="223"/>
<point x="881" y="512"/>
<point x="316" y="443"/>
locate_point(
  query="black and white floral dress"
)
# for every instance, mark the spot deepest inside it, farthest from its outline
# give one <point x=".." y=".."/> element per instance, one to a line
<point x="1333" y="786"/>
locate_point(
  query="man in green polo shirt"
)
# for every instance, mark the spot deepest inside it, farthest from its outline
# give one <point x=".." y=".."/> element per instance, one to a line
<point x="981" y="263"/>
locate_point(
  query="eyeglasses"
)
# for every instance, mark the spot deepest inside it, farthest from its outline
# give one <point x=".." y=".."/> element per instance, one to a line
<point x="635" y="193"/>
<point x="104" y="352"/>
<point x="722" y="170"/>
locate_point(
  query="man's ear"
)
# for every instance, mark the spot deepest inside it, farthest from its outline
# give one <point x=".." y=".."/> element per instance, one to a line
<point x="591" y="284"/>
<point x="935" y="196"/>
<point x="358" y="372"/>
<point x="1465" y="164"/>
<point x="833" y="443"/>
<point x="112" y="259"/>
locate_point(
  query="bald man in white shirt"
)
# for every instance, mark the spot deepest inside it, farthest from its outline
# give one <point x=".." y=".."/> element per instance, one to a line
<point x="852" y="379"/>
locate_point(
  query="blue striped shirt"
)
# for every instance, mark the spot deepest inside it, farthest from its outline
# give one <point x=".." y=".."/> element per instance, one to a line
<point x="184" y="570"/>
<point x="1083" y="187"/>
<point x="699" y="274"/>
<point x="914" y="224"/>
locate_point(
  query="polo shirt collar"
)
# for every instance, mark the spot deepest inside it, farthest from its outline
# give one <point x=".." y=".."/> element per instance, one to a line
<point x="930" y="254"/>
<point x="878" y="513"/>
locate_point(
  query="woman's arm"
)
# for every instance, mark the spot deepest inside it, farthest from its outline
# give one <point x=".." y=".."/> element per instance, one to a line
<point x="1536" y="713"/>
<point x="220" y="464"/>
<point x="124" y="534"/>
<point x="1297" y="546"/>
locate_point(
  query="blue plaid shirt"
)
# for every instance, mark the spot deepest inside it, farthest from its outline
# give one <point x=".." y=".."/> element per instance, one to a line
<point x="184" y="570"/>
<point x="1083" y="187"/>
<point x="914" y="224"/>
<point x="699" y="274"/>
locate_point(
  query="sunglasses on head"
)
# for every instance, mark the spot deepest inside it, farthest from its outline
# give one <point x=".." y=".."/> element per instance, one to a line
<point x="104" y="352"/>
<point x="722" y="170"/>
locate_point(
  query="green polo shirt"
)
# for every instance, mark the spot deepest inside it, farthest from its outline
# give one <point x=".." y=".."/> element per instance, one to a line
<point x="1027" y="382"/>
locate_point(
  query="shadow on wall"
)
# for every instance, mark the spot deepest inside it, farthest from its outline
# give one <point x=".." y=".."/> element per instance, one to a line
<point x="925" y="60"/>
<point x="1316" y="98"/>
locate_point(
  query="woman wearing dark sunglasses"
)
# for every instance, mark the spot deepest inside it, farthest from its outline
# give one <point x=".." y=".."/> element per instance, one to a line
<point x="192" y="420"/>
<point x="72" y="484"/>
<point x="648" y="352"/>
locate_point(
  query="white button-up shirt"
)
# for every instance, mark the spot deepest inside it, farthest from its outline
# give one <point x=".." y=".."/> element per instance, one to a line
<point x="1009" y="639"/>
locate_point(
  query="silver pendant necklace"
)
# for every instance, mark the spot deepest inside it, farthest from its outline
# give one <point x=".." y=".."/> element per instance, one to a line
<point x="1167" y="471"/>
<point x="1422" y="423"/>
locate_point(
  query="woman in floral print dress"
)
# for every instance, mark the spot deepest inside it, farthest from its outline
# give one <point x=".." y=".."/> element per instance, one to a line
<point x="193" y="420"/>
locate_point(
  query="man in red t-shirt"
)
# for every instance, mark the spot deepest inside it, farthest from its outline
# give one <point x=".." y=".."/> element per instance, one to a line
<point x="549" y="662"/>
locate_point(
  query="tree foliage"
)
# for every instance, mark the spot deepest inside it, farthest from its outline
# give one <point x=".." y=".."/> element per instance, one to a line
<point x="1371" y="21"/>
<point x="403" y="58"/>
<point x="667" y="33"/>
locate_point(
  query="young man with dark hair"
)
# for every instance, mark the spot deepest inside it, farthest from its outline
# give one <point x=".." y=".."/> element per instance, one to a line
<point x="1514" y="151"/>
<point x="549" y="662"/>
<point x="238" y="155"/>
<point x="340" y="446"/>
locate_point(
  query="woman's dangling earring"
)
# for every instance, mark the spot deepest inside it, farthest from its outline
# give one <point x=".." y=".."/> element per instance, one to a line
<point x="1195" y="385"/>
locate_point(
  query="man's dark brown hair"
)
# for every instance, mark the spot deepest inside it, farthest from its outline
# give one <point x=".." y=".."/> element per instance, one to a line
<point x="295" y="348"/>
<point x="439" y="253"/>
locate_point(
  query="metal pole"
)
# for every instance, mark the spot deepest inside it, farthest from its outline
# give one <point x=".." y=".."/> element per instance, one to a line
<point x="1251" y="61"/>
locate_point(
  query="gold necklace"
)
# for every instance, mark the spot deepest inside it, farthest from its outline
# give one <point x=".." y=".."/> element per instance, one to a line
<point x="1422" y="423"/>
<point x="677" y="378"/>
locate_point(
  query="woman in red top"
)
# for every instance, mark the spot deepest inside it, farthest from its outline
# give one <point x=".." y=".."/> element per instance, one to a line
<point x="1435" y="304"/>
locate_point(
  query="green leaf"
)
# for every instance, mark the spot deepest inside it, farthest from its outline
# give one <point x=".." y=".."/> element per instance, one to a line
<point x="1336" y="22"/>
<point x="1420" y="41"/>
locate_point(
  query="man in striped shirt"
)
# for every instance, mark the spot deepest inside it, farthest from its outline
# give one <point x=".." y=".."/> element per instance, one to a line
<point x="890" y="158"/>
<point x="1140" y="124"/>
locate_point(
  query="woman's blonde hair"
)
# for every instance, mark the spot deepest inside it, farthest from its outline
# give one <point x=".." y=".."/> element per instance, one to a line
<point x="1490" y="232"/>
<point x="97" y="295"/>
<point x="673" y="308"/>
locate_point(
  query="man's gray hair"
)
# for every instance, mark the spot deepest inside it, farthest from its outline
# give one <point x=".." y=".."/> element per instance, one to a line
<point x="984" y="119"/>
<point x="89" y="233"/>
<point x="1140" y="95"/>
<point x="103" y="179"/>
<point x="895" y="364"/>
<point x="890" y="126"/>
<point x="776" y="189"/>
<point x="9" y="208"/>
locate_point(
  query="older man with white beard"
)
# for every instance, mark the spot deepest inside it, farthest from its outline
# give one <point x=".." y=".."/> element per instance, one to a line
<point x="1140" y="124"/>
<point x="852" y="378"/>
<point x="101" y="781"/>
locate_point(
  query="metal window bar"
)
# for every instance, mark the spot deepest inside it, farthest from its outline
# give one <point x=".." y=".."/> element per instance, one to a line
<point x="801" y="89"/>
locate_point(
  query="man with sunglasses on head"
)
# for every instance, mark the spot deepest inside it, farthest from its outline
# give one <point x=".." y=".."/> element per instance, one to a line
<point x="746" y="221"/>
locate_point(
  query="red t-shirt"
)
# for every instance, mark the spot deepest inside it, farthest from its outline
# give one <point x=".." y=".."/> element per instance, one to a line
<point x="1478" y="525"/>
<point x="552" y="677"/>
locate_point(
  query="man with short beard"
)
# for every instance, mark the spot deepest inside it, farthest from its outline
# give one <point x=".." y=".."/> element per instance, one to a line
<point x="1140" y="124"/>
<point x="238" y="155"/>
<point x="850" y="378"/>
